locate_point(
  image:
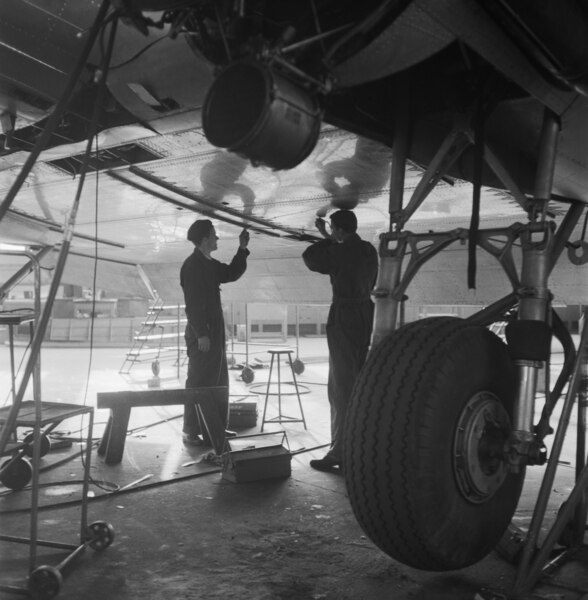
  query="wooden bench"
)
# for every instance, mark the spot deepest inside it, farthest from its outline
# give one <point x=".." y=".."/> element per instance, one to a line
<point x="112" y="444"/>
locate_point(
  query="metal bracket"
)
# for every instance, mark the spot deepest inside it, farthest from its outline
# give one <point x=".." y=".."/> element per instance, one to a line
<point x="423" y="246"/>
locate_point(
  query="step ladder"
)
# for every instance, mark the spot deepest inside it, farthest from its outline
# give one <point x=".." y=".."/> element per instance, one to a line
<point x="161" y="337"/>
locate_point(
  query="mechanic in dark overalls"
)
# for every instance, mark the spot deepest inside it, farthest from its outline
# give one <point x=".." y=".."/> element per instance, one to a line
<point x="200" y="278"/>
<point x="352" y="265"/>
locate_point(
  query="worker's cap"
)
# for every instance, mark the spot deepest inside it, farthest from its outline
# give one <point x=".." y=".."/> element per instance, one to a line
<point x="199" y="230"/>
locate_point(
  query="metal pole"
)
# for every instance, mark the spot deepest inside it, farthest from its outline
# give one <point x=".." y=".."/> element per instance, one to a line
<point x="37" y="296"/>
<point x="389" y="271"/>
<point x="580" y="515"/>
<point x="233" y="328"/>
<point x="246" y="336"/>
<point x="37" y="428"/>
<point x="297" y="332"/>
<point x="86" y="485"/>
<point x="12" y="365"/>
<point x="399" y="152"/>
<point x="178" y="341"/>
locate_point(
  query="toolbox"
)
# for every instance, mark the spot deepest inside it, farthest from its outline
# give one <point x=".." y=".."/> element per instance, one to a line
<point x="256" y="457"/>
<point x="242" y="413"/>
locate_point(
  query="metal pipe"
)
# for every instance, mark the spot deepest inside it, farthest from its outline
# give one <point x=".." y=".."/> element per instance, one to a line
<point x="86" y="485"/>
<point x="581" y="511"/>
<point x="179" y="337"/>
<point x="37" y="310"/>
<point x="390" y="268"/>
<point x="537" y="255"/>
<point x="38" y="420"/>
<point x="549" y="138"/>
<point x="523" y="411"/>
<point x="12" y="365"/>
<point x="246" y="336"/>
<point x="534" y="293"/>
<point x="71" y="557"/>
<point x="297" y="332"/>
<point x="36" y="466"/>
<point x="399" y="152"/>
<point x="386" y="304"/>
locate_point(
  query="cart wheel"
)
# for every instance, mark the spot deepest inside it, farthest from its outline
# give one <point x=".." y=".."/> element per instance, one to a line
<point x="45" y="582"/>
<point x="247" y="374"/>
<point x="298" y="366"/>
<point x="155" y="367"/>
<point x="29" y="440"/>
<point x="16" y="473"/>
<point x="99" y="535"/>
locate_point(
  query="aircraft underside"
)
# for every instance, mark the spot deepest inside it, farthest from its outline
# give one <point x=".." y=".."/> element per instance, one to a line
<point x="441" y="428"/>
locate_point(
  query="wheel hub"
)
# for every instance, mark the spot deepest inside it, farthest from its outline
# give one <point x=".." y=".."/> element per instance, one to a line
<point x="482" y="432"/>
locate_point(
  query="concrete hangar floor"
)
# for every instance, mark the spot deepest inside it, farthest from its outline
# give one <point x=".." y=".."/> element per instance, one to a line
<point x="183" y="531"/>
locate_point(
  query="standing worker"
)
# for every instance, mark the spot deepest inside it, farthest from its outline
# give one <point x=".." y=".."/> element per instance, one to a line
<point x="200" y="278"/>
<point x="352" y="265"/>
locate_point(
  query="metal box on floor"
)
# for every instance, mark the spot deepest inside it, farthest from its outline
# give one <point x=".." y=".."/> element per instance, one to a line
<point x="242" y="414"/>
<point x="257" y="457"/>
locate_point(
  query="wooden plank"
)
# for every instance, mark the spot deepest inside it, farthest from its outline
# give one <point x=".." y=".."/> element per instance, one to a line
<point x="151" y="397"/>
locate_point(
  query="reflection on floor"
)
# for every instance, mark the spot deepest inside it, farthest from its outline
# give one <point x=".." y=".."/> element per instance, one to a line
<point x="184" y="531"/>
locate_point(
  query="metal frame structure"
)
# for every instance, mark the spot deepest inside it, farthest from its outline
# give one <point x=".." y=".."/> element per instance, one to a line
<point x="38" y="415"/>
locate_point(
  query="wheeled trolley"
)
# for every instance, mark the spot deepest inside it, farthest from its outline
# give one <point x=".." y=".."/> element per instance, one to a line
<point x="44" y="581"/>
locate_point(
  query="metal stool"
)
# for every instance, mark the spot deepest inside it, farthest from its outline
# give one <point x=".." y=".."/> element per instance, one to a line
<point x="282" y="418"/>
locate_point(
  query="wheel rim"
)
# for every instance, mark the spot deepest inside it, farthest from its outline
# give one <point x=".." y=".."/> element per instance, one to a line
<point x="99" y="535"/>
<point x="478" y="458"/>
<point x="45" y="582"/>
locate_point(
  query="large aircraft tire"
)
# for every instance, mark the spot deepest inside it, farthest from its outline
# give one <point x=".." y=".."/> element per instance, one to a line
<point x="424" y="439"/>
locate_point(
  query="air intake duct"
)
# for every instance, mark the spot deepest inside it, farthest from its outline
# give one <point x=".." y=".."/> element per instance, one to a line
<point x="258" y="113"/>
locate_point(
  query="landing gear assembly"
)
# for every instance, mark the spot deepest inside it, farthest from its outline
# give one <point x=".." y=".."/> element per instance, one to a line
<point x="440" y="428"/>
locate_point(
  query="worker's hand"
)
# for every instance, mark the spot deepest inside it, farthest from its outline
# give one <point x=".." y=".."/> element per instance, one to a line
<point x="321" y="225"/>
<point x="204" y="343"/>
<point x="243" y="239"/>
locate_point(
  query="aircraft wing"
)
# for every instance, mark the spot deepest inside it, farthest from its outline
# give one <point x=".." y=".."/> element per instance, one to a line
<point x="153" y="171"/>
<point x="135" y="217"/>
